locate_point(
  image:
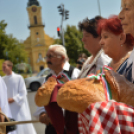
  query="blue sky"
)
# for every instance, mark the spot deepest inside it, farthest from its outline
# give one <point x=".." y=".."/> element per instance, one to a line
<point x="15" y="14"/>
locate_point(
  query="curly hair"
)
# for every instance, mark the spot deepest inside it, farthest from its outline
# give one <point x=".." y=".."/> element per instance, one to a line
<point x="90" y="26"/>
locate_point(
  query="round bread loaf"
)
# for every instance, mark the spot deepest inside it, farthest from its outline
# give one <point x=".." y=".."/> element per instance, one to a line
<point x="43" y="95"/>
<point x="77" y="95"/>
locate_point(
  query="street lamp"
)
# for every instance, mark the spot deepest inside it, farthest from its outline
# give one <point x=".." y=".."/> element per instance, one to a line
<point x="99" y="7"/>
<point x="65" y="15"/>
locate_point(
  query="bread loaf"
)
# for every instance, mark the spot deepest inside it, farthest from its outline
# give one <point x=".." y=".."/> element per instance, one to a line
<point x="43" y="95"/>
<point x="77" y="95"/>
<point x="122" y="90"/>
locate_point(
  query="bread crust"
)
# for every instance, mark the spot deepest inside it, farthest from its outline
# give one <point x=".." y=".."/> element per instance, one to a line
<point x="77" y="95"/>
<point x="122" y="90"/>
<point x="43" y="95"/>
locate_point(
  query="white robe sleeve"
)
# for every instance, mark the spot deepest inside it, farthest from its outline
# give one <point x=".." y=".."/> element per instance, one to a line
<point x="3" y="99"/>
<point x="22" y="92"/>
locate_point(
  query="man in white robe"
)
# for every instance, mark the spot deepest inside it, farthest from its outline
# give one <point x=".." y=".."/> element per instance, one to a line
<point x="17" y="98"/>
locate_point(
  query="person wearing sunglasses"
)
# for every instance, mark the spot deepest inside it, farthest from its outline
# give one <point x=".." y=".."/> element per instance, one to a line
<point x="91" y="44"/>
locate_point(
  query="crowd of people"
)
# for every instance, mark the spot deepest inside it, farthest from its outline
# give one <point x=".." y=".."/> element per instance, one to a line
<point x="110" y="42"/>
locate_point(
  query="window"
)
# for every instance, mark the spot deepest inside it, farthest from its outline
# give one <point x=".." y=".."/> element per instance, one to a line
<point x="35" y="20"/>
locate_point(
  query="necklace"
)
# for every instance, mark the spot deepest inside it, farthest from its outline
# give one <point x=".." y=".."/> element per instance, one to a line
<point x="115" y="66"/>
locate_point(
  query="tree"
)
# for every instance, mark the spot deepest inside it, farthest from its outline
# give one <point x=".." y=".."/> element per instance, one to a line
<point x="73" y="43"/>
<point x="3" y="38"/>
<point x="10" y="47"/>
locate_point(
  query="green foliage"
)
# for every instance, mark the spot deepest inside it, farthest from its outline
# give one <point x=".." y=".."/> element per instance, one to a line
<point x="73" y="43"/>
<point x="22" y="68"/>
<point x="10" y="47"/>
<point x="1" y="72"/>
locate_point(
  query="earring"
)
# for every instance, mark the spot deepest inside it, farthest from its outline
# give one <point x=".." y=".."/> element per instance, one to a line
<point x="121" y="45"/>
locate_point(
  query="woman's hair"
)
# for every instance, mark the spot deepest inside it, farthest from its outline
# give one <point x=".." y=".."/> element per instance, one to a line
<point x="90" y="26"/>
<point x="113" y="24"/>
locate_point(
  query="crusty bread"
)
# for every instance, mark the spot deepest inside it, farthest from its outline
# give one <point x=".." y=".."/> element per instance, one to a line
<point x="43" y="95"/>
<point x="77" y="95"/>
<point x="122" y="90"/>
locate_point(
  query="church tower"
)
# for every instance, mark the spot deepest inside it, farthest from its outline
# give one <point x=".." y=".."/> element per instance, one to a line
<point x="36" y="45"/>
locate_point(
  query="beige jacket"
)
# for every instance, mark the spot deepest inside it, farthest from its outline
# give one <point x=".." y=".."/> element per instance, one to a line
<point x="100" y="60"/>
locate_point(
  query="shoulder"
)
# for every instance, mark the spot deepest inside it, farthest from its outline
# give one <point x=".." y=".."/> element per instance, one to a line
<point x="86" y="62"/>
<point x="49" y="75"/>
<point x="76" y="70"/>
<point x="3" y="77"/>
<point x="75" y="73"/>
<point x="18" y="76"/>
<point x="104" y="58"/>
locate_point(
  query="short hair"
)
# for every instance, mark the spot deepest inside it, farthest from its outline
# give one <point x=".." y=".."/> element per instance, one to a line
<point x="90" y="26"/>
<point x="59" y="49"/>
<point x="113" y="24"/>
<point x="8" y="62"/>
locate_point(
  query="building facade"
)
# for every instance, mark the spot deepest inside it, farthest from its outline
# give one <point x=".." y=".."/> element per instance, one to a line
<point x="38" y="42"/>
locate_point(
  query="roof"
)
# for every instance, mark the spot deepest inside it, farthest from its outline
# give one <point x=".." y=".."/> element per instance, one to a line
<point x="33" y="2"/>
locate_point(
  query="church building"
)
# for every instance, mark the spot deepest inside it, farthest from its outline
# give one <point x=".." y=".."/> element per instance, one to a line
<point x="38" y="42"/>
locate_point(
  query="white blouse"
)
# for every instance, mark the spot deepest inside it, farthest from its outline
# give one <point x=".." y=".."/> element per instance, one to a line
<point x="100" y="60"/>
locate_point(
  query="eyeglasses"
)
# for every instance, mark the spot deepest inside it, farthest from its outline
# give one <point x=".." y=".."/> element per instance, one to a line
<point x="52" y="56"/>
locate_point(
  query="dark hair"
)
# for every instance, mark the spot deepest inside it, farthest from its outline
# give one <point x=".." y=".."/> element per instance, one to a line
<point x="90" y="26"/>
<point x="113" y="24"/>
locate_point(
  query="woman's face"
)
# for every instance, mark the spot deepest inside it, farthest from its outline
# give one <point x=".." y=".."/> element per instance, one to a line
<point x="127" y="16"/>
<point x="91" y="44"/>
<point x="110" y="43"/>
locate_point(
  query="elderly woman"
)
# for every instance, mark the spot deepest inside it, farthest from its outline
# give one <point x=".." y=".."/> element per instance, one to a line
<point x="91" y="44"/>
<point x="115" y="43"/>
<point x="127" y="20"/>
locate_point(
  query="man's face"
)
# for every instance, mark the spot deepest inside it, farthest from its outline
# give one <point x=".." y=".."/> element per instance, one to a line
<point x="6" y="68"/>
<point x="54" y="60"/>
<point x="127" y="16"/>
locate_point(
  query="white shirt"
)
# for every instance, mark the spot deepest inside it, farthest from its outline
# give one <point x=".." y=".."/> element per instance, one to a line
<point x="66" y="67"/>
<point x="100" y="60"/>
<point x="19" y="108"/>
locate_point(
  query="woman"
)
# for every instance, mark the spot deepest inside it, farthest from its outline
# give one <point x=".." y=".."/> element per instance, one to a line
<point x="115" y="43"/>
<point x="127" y="20"/>
<point x="97" y="116"/>
<point x="91" y="44"/>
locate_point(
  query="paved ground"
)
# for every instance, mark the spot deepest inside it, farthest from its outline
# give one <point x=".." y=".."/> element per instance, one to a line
<point x="38" y="126"/>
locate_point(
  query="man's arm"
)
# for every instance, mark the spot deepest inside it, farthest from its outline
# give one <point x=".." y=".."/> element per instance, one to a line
<point x="42" y="115"/>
